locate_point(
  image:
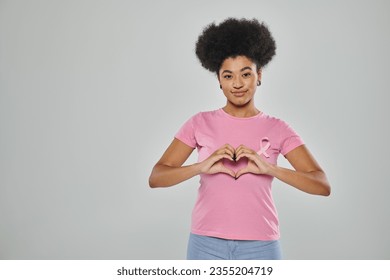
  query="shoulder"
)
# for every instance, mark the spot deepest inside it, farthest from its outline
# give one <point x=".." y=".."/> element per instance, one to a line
<point x="273" y="120"/>
<point x="282" y="127"/>
<point x="205" y="116"/>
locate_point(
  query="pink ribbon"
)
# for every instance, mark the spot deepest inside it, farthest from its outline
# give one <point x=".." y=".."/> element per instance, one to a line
<point x="264" y="148"/>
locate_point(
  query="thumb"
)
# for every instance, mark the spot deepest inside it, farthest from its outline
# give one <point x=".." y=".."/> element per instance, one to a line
<point x="227" y="171"/>
<point x="241" y="172"/>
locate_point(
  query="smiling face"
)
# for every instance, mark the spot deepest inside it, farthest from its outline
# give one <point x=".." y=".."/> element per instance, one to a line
<point x="238" y="77"/>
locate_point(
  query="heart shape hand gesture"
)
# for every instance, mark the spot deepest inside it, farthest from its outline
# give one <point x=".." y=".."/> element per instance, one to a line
<point x="234" y="162"/>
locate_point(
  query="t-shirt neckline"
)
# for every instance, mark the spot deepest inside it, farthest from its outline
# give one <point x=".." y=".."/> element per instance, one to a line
<point x="259" y="115"/>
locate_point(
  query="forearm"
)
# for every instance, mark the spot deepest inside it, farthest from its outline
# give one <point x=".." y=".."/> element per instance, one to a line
<point x="166" y="176"/>
<point x="314" y="182"/>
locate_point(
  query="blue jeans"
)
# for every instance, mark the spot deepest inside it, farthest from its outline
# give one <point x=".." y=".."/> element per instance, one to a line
<point x="212" y="248"/>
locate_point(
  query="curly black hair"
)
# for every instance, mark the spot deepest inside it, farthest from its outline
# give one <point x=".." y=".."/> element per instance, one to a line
<point x="235" y="37"/>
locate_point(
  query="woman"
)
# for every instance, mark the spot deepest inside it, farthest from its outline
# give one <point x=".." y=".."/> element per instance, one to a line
<point x="234" y="216"/>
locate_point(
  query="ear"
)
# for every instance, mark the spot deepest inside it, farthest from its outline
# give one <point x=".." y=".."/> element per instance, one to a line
<point x="259" y="73"/>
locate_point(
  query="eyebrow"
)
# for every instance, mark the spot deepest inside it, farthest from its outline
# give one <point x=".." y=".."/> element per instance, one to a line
<point x="245" y="68"/>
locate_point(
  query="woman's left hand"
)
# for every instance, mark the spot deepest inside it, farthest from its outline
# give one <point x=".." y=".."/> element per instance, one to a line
<point x="307" y="176"/>
<point x="256" y="164"/>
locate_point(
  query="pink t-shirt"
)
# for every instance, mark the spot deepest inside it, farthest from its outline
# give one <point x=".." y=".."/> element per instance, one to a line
<point x="241" y="209"/>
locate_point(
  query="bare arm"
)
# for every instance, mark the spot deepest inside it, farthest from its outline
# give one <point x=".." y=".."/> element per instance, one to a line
<point x="169" y="171"/>
<point x="307" y="176"/>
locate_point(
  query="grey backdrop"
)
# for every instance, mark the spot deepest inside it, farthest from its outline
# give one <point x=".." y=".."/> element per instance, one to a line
<point x="92" y="92"/>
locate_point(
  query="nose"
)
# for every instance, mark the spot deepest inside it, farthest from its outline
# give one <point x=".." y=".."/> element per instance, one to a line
<point x="237" y="83"/>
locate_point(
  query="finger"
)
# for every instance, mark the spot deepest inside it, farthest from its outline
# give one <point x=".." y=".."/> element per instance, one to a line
<point x="222" y="156"/>
<point x="238" y="149"/>
<point x="229" y="157"/>
<point x="240" y="152"/>
<point x="241" y="155"/>
<point x="225" y="150"/>
<point x="228" y="171"/>
<point x="230" y="153"/>
<point x="226" y="147"/>
<point x="220" y="168"/>
<point x="248" y="154"/>
<point x="243" y="149"/>
<point x="242" y="172"/>
<point x="230" y="149"/>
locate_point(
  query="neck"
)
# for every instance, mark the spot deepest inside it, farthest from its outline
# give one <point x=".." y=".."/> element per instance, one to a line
<point x="241" y="111"/>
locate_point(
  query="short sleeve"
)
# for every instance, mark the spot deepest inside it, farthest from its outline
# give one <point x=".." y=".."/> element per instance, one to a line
<point x="289" y="139"/>
<point x="186" y="133"/>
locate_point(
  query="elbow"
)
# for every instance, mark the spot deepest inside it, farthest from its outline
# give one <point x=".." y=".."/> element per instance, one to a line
<point x="152" y="182"/>
<point x="157" y="178"/>
<point x="152" y="178"/>
<point x="326" y="191"/>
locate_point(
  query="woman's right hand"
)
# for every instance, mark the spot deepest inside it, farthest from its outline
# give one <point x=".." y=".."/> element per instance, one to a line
<point x="169" y="170"/>
<point x="213" y="164"/>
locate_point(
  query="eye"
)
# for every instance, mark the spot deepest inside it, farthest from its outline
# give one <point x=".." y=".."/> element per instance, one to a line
<point x="227" y="76"/>
<point x="247" y="74"/>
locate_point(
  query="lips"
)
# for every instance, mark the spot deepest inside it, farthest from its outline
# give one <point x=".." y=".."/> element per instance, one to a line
<point x="239" y="93"/>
